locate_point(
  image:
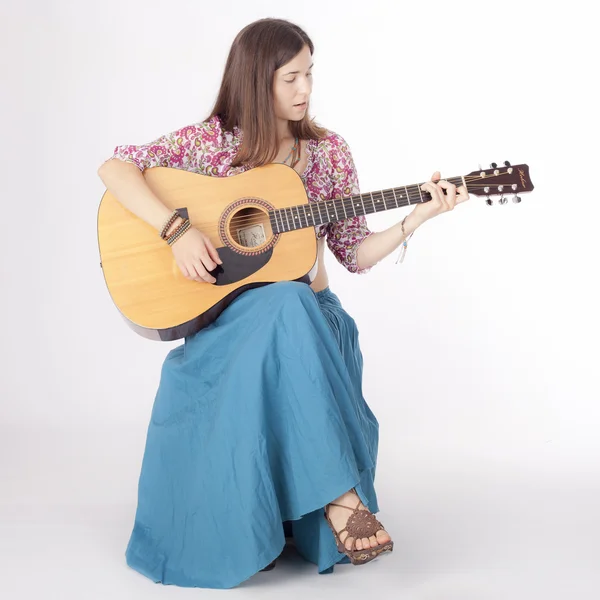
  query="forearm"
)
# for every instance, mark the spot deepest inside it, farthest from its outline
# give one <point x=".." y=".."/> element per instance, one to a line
<point x="127" y="184"/>
<point x="382" y="243"/>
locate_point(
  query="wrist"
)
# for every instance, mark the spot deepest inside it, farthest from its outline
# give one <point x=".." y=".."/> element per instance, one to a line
<point x="411" y="223"/>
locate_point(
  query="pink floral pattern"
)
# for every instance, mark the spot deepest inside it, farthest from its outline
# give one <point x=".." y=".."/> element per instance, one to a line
<point x="208" y="149"/>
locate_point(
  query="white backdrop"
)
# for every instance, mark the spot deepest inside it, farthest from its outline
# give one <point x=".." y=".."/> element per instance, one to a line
<point x="481" y="353"/>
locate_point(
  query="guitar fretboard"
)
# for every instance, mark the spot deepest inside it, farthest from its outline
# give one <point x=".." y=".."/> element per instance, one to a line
<point x="330" y="211"/>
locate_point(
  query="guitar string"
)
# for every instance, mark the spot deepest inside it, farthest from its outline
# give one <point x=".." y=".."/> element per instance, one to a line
<point x="338" y="205"/>
<point x="301" y="218"/>
<point x="338" y="202"/>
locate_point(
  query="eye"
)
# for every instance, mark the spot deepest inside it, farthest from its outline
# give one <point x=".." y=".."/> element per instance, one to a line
<point x="292" y="80"/>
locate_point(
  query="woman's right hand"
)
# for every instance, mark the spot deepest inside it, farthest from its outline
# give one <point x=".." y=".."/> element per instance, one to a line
<point x="195" y="256"/>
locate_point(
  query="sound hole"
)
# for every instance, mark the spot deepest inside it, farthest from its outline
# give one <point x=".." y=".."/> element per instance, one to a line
<point x="250" y="227"/>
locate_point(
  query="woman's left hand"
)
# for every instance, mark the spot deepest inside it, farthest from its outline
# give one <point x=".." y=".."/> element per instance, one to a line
<point x="440" y="202"/>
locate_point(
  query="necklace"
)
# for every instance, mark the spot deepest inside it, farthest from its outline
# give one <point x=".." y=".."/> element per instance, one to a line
<point x="294" y="153"/>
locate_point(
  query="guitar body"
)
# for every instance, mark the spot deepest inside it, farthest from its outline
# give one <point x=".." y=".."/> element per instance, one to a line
<point x="140" y="271"/>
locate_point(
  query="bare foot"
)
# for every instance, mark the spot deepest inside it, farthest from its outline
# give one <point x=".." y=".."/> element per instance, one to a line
<point x="339" y="517"/>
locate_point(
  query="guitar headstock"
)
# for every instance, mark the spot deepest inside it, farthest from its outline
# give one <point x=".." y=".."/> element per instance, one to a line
<point x="498" y="181"/>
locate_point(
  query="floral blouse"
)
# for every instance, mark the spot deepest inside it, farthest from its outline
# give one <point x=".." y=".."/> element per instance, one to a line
<point x="208" y="149"/>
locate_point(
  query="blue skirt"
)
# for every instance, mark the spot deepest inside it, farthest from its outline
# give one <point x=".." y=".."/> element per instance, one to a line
<point x="259" y="419"/>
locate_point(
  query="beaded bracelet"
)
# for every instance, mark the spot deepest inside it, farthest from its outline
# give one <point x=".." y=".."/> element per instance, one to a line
<point x="179" y="232"/>
<point x="167" y="225"/>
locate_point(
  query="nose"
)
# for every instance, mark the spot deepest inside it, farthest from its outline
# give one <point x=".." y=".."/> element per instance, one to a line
<point x="304" y="86"/>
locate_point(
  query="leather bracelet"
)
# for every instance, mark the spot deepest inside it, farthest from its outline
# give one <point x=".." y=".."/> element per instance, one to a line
<point x="167" y="225"/>
<point x="179" y="232"/>
<point x="404" y="244"/>
<point x="402" y="227"/>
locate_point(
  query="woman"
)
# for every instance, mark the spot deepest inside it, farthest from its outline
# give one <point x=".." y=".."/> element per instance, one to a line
<point x="259" y="419"/>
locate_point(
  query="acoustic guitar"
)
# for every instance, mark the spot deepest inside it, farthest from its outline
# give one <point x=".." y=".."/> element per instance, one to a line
<point x="262" y="225"/>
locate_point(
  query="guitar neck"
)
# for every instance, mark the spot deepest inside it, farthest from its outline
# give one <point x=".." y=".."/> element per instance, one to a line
<point x="330" y="211"/>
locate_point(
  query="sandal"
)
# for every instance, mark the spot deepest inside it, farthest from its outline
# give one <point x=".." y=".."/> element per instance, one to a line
<point x="270" y="566"/>
<point x="360" y="524"/>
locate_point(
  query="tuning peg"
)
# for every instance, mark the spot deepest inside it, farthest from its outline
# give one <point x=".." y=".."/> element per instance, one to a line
<point x="503" y="200"/>
<point x="516" y="199"/>
<point x="489" y="201"/>
<point x="493" y="166"/>
<point x="506" y="163"/>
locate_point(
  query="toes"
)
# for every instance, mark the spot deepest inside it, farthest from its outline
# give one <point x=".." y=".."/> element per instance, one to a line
<point x="348" y="542"/>
<point x="366" y="544"/>
<point x="359" y="544"/>
<point x="383" y="537"/>
<point x="373" y="541"/>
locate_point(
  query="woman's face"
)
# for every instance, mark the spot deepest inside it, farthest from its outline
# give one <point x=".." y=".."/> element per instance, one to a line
<point x="292" y="85"/>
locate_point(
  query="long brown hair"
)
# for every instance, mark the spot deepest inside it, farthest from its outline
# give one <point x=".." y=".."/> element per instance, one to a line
<point x="246" y="98"/>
